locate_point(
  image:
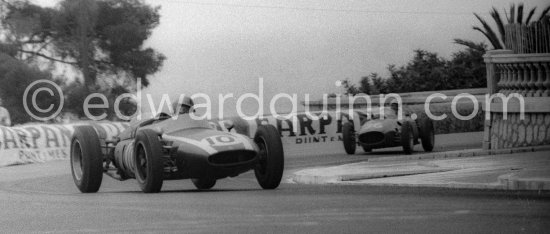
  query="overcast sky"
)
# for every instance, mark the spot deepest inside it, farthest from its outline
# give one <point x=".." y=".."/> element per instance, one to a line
<point x="300" y="46"/>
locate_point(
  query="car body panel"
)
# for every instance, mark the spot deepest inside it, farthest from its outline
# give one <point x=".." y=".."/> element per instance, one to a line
<point x="192" y="148"/>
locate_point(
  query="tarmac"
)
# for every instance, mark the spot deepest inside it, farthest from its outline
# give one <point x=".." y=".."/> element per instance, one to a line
<point x="525" y="168"/>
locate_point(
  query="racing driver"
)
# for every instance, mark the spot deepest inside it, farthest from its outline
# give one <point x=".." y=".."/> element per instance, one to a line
<point x="184" y="107"/>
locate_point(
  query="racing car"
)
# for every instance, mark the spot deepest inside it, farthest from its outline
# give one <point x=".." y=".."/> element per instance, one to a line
<point x="164" y="148"/>
<point x="383" y="129"/>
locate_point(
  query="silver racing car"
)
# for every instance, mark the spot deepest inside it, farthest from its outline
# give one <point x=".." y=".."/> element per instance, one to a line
<point x="164" y="148"/>
<point x="382" y="129"/>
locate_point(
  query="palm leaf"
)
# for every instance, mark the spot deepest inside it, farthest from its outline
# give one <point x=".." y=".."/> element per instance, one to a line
<point x="544" y="12"/>
<point x="470" y="44"/>
<point x="500" y="24"/>
<point x="464" y="42"/>
<point x="512" y="14"/>
<point x="507" y="17"/>
<point x="489" y="33"/>
<point x="520" y="13"/>
<point x="530" y="15"/>
<point x="496" y="44"/>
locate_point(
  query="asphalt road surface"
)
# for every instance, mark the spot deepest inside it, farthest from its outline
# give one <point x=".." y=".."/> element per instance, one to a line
<point x="43" y="198"/>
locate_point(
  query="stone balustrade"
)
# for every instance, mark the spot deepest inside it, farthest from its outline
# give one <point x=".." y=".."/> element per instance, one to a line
<point x="520" y="123"/>
<point x="525" y="74"/>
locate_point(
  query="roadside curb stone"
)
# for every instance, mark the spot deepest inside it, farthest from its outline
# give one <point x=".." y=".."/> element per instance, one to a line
<point x="511" y="181"/>
<point x="308" y="178"/>
<point x="514" y="182"/>
<point x="461" y="153"/>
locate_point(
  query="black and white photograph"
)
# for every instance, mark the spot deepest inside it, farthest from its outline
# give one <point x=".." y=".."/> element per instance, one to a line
<point x="287" y="116"/>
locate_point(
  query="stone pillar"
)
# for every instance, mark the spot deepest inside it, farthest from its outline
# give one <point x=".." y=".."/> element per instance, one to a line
<point x="492" y="87"/>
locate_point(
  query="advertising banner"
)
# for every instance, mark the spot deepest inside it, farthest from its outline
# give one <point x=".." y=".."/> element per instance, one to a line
<point x="44" y="142"/>
<point x="302" y="134"/>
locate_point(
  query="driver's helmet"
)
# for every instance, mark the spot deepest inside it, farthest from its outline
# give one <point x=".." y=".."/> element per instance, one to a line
<point x="184" y="106"/>
<point x="394" y="104"/>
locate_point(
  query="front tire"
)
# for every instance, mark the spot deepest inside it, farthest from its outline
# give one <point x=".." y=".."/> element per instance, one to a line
<point x="269" y="170"/>
<point x="204" y="183"/>
<point x="407" y="137"/>
<point x="86" y="159"/>
<point x="427" y="135"/>
<point x="148" y="161"/>
<point x="348" y="137"/>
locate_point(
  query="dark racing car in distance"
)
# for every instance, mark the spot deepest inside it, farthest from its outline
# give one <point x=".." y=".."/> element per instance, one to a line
<point x="383" y="129"/>
<point x="163" y="148"/>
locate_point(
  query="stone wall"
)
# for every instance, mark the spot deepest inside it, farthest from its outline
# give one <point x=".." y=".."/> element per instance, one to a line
<point x="533" y="130"/>
<point x="527" y="77"/>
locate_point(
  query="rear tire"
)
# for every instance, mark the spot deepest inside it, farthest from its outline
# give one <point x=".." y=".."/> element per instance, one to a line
<point x="348" y="137"/>
<point x="269" y="170"/>
<point x="427" y="135"/>
<point x="407" y="137"/>
<point x="204" y="183"/>
<point x="148" y="161"/>
<point x="86" y="159"/>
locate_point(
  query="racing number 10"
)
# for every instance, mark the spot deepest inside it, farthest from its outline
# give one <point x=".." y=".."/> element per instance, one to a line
<point x="220" y="140"/>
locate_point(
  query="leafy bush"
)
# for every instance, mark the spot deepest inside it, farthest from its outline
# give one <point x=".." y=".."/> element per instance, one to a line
<point x="427" y="71"/>
<point x="451" y="124"/>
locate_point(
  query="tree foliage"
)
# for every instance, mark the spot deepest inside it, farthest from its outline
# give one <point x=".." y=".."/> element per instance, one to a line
<point x="467" y="69"/>
<point x="379" y="84"/>
<point x="19" y="76"/>
<point x="350" y="88"/>
<point x="426" y="71"/>
<point x="104" y="36"/>
<point x="365" y="86"/>
<point x="102" y="39"/>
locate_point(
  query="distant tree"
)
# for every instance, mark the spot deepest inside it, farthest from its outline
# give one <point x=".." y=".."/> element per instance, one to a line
<point x="19" y="76"/>
<point x="379" y="84"/>
<point x="107" y="35"/>
<point x="425" y="72"/>
<point x="466" y="69"/>
<point x="365" y="85"/>
<point x="100" y="38"/>
<point x="350" y="89"/>
<point x="76" y="93"/>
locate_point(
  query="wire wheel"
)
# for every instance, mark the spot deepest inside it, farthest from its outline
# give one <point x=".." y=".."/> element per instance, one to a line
<point x="269" y="170"/>
<point x="141" y="163"/>
<point x="149" y="164"/>
<point x="86" y="159"/>
<point x="76" y="160"/>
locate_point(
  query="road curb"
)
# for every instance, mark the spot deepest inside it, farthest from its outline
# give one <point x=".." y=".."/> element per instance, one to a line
<point x="308" y="178"/>
<point x="505" y="182"/>
<point x="513" y="182"/>
<point x="480" y="186"/>
<point x="461" y="154"/>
